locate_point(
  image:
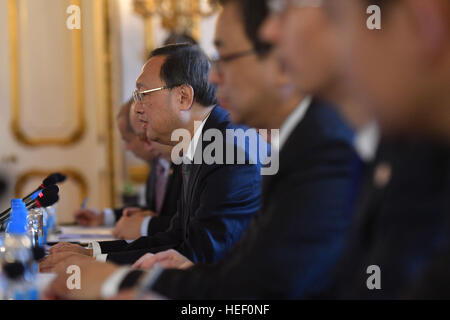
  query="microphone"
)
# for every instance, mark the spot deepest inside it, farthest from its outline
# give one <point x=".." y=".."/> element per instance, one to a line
<point x="55" y="178"/>
<point x="52" y="179"/>
<point x="44" y="202"/>
<point x="48" y="196"/>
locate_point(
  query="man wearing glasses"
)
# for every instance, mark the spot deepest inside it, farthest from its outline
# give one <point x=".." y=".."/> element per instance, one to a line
<point x="217" y="200"/>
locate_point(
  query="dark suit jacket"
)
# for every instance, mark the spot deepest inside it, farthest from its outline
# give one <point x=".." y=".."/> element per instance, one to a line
<point x="299" y="234"/>
<point x="169" y="207"/>
<point x="400" y="225"/>
<point x="217" y="208"/>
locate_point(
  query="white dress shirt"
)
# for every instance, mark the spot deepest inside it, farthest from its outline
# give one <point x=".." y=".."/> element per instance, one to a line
<point x="366" y="142"/>
<point x="109" y="218"/>
<point x="294" y="118"/>
<point x="190" y="153"/>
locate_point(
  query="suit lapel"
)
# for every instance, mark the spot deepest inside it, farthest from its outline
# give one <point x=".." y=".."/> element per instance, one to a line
<point x="290" y="150"/>
<point x="169" y="187"/>
<point x="151" y="183"/>
<point x="217" y="114"/>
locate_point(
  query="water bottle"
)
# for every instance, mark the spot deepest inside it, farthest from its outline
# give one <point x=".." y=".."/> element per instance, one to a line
<point x="49" y="222"/>
<point x="17" y="288"/>
<point x="19" y="269"/>
<point x="36" y="218"/>
<point x="51" y="218"/>
<point x="36" y="226"/>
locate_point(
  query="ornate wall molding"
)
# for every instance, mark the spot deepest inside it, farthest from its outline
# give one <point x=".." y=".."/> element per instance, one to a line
<point x="77" y="45"/>
<point x="107" y="30"/>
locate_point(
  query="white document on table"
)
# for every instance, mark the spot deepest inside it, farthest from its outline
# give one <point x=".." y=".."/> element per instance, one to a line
<point x="82" y="234"/>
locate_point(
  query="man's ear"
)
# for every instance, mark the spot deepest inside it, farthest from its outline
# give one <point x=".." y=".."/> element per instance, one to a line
<point x="431" y="19"/>
<point x="185" y="96"/>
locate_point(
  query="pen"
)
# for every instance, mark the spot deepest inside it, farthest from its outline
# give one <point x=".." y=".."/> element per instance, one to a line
<point x="83" y="205"/>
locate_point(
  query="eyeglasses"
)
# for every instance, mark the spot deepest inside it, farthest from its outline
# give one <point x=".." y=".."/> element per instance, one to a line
<point x="217" y="61"/>
<point x="139" y="95"/>
<point x="278" y="6"/>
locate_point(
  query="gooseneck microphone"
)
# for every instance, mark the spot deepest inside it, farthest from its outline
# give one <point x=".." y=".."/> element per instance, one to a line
<point x="55" y="178"/>
<point x="48" y="196"/>
<point x="52" y="179"/>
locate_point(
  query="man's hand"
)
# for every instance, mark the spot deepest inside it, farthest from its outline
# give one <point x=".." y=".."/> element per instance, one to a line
<point x="69" y="247"/>
<point x="128" y="228"/>
<point x="60" y="260"/>
<point x="89" y="217"/>
<point x="169" y="259"/>
<point x="93" y="275"/>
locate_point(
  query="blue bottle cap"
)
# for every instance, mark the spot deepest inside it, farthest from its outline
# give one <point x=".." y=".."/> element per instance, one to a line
<point x="18" y="220"/>
<point x="17" y="203"/>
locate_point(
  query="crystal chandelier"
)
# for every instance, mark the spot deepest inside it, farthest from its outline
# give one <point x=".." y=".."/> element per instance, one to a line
<point x="179" y="16"/>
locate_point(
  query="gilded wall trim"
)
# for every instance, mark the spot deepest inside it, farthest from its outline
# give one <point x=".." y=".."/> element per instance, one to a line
<point x="109" y="100"/>
<point x="139" y="173"/>
<point x="77" y="45"/>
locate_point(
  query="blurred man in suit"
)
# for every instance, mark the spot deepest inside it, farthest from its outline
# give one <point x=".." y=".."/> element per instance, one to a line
<point x="414" y="40"/>
<point x="382" y="74"/>
<point x="294" y="242"/>
<point x="218" y="199"/>
<point x="399" y="225"/>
